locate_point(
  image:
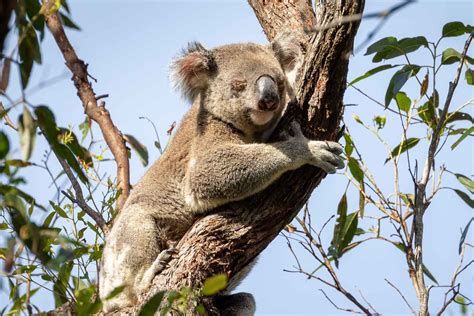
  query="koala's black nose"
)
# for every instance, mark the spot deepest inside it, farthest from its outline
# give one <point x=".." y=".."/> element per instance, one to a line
<point x="268" y="98"/>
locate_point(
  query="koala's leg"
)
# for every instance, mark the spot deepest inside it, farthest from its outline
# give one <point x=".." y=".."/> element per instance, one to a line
<point x="239" y="304"/>
<point x="157" y="266"/>
<point x="131" y="257"/>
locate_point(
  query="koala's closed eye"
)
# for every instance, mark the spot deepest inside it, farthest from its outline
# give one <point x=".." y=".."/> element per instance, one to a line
<point x="238" y="85"/>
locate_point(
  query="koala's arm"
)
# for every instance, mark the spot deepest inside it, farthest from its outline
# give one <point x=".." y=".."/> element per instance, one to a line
<point x="232" y="172"/>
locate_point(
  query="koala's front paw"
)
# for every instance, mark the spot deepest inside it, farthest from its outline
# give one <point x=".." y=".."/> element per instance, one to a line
<point x="323" y="154"/>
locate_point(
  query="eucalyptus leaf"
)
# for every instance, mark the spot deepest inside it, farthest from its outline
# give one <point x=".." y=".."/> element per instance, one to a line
<point x="4" y="145"/>
<point x="403" y="101"/>
<point x="398" y="81"/>
<point x="214" y="284"/>
<point x="402" y="147"/>
<point x="355" y="169"/>
<point x="150" y="308"/>
<point x="469" y="75"/>
<point x="370" y="73"/>
<point x="464" y="235"/>
<point x="465" y="181"/>
<point x="452" y="29"/>
<point x="463" y="195"/>
<point x="139" y="148"/>
<point x="27" y="131"/>
<point x="466" y="133"/>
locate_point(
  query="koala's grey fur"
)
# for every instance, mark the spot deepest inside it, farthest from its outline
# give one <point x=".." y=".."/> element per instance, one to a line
<point x="218" y="154"/>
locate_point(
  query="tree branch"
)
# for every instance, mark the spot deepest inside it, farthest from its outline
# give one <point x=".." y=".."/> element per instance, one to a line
<point x="112" y="135"/>
<point x="79" y="199"/>
<point x="420" y="194"/>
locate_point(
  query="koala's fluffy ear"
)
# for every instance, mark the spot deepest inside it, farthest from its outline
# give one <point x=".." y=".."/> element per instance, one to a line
<point x="190" y="73"/>
<point x="287" y="50"/>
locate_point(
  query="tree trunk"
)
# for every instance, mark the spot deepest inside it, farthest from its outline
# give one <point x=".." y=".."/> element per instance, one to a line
<point x="233" y="235"/>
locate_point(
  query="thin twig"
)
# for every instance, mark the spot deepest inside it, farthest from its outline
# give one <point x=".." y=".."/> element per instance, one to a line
<point x="79" y="199"/>
<point x="402" y="296"/>
<point x="337" y="307"/>
<point x="357" y="17"/>
<point x="6" y="118"/>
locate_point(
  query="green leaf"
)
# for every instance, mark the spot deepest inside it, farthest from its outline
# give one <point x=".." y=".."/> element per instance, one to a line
<point x="214" y="284"/>
<point x="338" y="234"/>
<point x="469" y="76"/>
<point x="11" y="190"/>
<point x="27" y="131"/>
<point x="453" y="29"/>
<point x="408" y="199"/>
<point x="390" y="47"/>
<point x="139" y="148"/>
<point x="464" y="235"/>
<point x="463" y="136"/>
<point x="349" y="146"/>
<point x="116" y="291"/>
<point x="58" y="210"/>
<point x="49" y="219"/>
<point x="450" y="56"/>
<point x="370" y="73"/>
<point x="398" y="81"/>
<point x="350" y="228"/>
<point x="403" y="102"/>
<point x="33" y="8"/>
<point x="428" y="274"/>
<point x="357" y="119"/>
<point x="68" y="22"/>
<point x="465" y="198"/>
<point x="427" y="113"/>
<point x="459" y="116"/>
<point x="355" y="169"/>
<point x="17" y="163"/>
<point x="381" y="45"/>
<point x="4" y="145"/>
<point x="380" y="121"/>
<point x="402" y="147"/>
<point x="47" y="123"/>
<point x="29" y="51"/>
<point x="465" y="181"/>
<point x="150" y="308"/>
<point x="70" y="140"/>
<point x="85" y="127"/>
<point x="61" y="284"/>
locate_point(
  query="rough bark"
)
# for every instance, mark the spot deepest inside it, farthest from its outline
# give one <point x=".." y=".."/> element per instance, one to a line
<point x="230" y="238"/>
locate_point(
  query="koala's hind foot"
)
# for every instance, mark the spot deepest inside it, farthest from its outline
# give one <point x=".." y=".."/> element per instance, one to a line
<point x="239" y="304"/>
<point x="160" y="263"/>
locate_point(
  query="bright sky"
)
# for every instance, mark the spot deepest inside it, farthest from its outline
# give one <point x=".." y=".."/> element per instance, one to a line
<point x="129" y="45"/>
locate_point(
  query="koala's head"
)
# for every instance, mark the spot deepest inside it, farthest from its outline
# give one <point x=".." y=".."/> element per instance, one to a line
<point x="244" y="85"/>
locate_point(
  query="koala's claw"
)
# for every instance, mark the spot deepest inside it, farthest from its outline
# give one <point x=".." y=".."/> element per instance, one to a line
<point x="162" y="260"/>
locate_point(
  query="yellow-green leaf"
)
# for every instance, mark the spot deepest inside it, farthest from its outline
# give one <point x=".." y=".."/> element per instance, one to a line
<point x="214" y="284"/>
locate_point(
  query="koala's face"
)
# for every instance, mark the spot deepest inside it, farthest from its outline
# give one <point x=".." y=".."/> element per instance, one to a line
<point x="244" y="85"/>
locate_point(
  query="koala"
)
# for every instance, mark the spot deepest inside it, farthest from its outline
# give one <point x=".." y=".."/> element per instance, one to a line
<point x="220" y="153"/>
